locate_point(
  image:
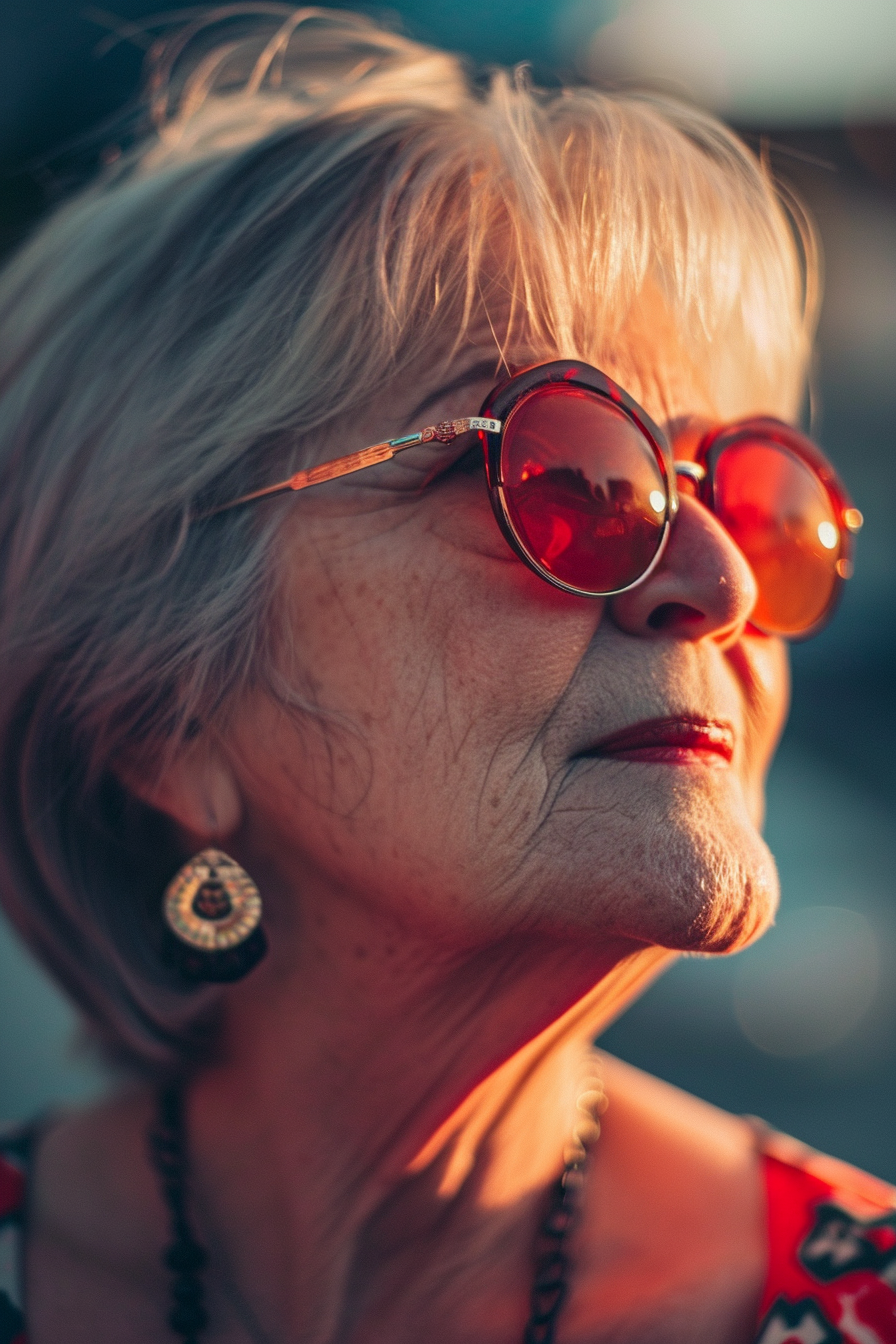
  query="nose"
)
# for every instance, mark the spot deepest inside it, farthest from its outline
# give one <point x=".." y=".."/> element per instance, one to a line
<point x="702" y="588"/>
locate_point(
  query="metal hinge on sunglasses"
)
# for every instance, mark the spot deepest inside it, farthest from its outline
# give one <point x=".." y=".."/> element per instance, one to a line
<point x="444" y="432"/>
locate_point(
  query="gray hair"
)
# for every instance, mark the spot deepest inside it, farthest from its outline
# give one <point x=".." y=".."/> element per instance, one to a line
<point x="318" y="205"/>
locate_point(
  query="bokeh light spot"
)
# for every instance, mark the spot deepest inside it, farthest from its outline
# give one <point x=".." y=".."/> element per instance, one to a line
<point x="809" y="983"/>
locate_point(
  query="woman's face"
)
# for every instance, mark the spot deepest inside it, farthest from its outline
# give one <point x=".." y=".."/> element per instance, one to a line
<point x="445" y="772"/>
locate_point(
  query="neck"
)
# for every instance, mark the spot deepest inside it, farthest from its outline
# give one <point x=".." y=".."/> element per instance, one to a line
<point x="375" y="1110"/>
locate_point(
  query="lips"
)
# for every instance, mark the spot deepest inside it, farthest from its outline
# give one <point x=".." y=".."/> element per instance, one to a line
<point x="682" y="740"/>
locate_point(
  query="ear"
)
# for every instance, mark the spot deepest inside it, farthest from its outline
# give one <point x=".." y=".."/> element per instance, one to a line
<point x="197" y="790"/>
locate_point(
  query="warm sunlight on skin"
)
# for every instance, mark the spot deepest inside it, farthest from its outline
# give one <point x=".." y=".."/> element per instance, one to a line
<point x="481" y="811"/>
<point x="447" y="783"/>
<point x="452" y="884"/>
<point x="458" y="897"/>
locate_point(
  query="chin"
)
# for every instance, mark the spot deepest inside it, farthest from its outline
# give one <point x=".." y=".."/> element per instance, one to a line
<point x="738" y="904"/>
<point x="668" y="858"/>
<point x="696" y="875"/>
<point x="716" y="889"/>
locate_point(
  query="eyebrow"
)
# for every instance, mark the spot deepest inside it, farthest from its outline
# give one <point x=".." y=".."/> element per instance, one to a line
<point x="479" y="372"/>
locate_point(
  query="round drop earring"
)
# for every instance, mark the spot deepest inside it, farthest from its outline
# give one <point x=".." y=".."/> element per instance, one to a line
<point x="212" y="912"/>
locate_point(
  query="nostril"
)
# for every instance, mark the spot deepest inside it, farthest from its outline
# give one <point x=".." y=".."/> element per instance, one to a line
<point x="674" y="614"/>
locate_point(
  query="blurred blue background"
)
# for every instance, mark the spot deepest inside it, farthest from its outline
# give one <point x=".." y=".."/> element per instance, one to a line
<point x="802" y="1028"/>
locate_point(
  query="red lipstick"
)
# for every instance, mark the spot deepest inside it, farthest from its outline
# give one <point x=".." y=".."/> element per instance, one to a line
<point x="674" y="741"/>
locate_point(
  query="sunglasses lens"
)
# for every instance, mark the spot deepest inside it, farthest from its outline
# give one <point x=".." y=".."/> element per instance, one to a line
<point x="786" y="524"/>
<point x="583" y="489"/>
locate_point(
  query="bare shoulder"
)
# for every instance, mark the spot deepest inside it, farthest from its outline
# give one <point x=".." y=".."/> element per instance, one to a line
<point x="95" y="1226"/>
<point x="671" y="1142"/>
<point x="673" y="1234"/>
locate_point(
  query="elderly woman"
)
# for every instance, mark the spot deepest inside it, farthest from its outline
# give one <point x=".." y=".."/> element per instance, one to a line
<point x="466" y="731"/>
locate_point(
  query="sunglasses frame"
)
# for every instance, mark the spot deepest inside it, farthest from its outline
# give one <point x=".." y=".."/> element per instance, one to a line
<point x="504" y="399"/>
<point x="498" y="410"/>
<point x="501" y="404"/>
<point x="722" y="437"/>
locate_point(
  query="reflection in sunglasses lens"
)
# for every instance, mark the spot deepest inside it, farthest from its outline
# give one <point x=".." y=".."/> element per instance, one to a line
<point x="583" y="488"/>
<point x="784" y="521"/>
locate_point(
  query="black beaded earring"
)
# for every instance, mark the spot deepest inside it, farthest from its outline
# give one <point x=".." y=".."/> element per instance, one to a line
<point x="212" y="911"/>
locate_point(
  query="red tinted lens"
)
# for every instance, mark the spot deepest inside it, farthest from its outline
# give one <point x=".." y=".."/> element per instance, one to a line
<point x="786" y="524"/>
<point x="583" y="488"/>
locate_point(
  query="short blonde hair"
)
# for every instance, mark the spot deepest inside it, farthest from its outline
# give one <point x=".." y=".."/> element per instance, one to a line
<point x="318" y="205"/>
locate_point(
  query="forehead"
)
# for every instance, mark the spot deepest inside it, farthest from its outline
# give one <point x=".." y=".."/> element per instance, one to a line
<point x="654" y="359"/>
<point x="646" y="358"/>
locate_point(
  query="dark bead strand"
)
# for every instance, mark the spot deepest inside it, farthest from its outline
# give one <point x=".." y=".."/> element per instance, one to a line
<point x="551" y="1263"/>
<point x="184" y="1257"/>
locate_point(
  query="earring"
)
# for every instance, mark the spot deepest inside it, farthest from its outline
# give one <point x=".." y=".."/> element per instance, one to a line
<point x="212" y="911"/>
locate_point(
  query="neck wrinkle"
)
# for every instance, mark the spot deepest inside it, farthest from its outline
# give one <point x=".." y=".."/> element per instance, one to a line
<point x="334" y="1249"/>
<point x="555" y="1053"/>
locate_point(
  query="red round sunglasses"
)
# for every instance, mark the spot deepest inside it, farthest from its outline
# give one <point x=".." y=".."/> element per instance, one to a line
<point x="584" y="488"/>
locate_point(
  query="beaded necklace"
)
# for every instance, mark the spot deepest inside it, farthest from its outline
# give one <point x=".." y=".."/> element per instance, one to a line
<point x="185" y="1258"/>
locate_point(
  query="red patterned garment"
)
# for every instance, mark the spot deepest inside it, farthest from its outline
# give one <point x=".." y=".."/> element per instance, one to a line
<point x="832" y="1250"/>
<point x="831" y="1233"/>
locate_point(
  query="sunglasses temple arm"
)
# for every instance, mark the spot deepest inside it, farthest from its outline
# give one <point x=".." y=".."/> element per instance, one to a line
<point x="445" y="433"/>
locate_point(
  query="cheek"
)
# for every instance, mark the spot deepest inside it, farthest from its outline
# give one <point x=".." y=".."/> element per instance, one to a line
<point x="430" y="628"/>
<point x="761" y="666"/>
<point x="431" y="673"/>
<point x="460" y="770"/>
